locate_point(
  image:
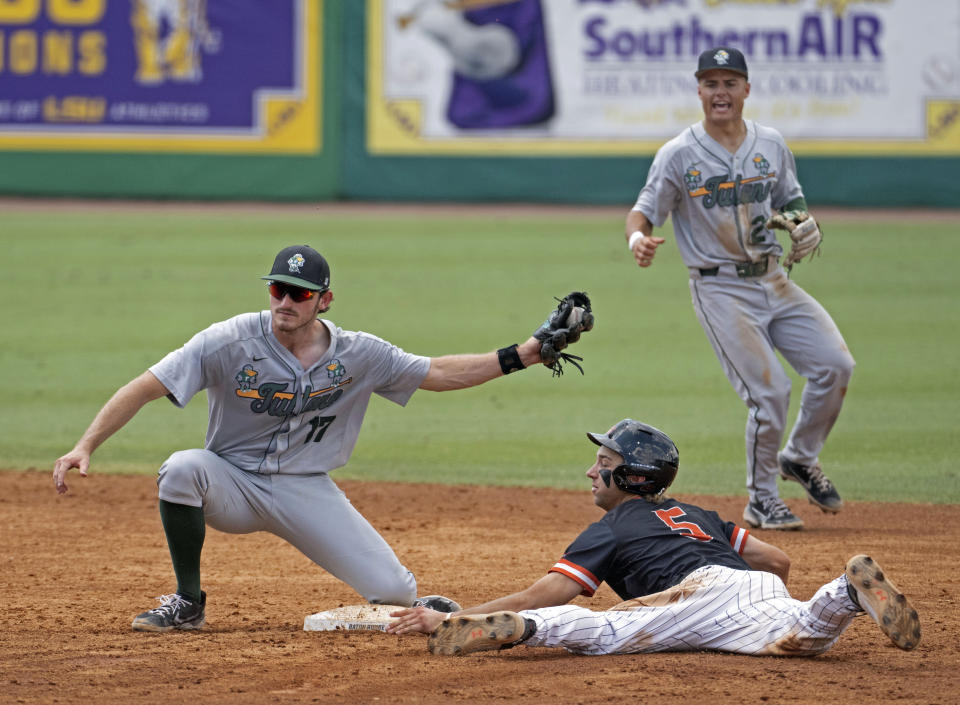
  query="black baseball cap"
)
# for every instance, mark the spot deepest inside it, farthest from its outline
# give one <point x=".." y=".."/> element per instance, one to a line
<point x="722" y="58"/>
<point x="302" y="266"/>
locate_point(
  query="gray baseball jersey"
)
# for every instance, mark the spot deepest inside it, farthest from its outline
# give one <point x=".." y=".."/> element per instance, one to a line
<point x="719" y="200"/>
<point x="744" y="301"/>
<point x="267" y="413"/>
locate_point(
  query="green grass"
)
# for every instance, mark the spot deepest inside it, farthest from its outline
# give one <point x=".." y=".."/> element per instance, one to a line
<point x="93" y="298"/>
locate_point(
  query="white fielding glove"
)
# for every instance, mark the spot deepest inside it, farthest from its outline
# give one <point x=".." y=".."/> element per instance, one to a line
<point x="803" y="230"/>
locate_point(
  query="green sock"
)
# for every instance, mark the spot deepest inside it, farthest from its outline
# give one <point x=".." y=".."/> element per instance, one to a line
<point x="185" y="530"/>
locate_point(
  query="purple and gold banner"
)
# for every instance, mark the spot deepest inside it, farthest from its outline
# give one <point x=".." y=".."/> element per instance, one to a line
<point x="189" y="75"/>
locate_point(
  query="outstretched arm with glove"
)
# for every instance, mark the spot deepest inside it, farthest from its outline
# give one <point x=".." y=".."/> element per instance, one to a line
<point x="563" y="327"/>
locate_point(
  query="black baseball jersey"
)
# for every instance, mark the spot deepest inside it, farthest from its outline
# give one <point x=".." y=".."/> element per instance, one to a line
<point x="640" y="548"/>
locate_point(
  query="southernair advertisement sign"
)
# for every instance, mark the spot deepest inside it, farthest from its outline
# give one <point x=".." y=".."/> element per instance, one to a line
<point x="596" y="77"/>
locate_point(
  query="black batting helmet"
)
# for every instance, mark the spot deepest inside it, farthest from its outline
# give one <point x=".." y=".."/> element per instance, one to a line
<point x="646" y="451"/>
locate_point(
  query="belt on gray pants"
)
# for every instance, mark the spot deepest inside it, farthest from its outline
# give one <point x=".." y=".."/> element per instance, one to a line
<point x="744" y="269"/>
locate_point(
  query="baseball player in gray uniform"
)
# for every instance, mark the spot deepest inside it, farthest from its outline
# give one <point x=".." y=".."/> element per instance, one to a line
<point x="689" y="580"/>
<point x="723" y="181"/>
<point x="287" y="392"/>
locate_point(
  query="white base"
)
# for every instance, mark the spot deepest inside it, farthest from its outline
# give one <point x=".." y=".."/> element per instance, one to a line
<point x="352" y="618"/>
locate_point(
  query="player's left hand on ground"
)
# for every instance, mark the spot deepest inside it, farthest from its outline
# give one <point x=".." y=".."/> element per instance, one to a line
<point x="804" y="233"/>
<point x="415" y="620"/>
<point x="573" y="316"/>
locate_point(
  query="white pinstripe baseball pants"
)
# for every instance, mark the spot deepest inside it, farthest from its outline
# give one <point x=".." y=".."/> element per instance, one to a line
<point x="717" y="608"/>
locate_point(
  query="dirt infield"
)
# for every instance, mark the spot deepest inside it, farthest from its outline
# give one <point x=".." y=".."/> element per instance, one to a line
<point x="77" y="568"/>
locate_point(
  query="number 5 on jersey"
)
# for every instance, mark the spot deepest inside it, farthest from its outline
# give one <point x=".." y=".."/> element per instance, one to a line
<point x="687" y="528"/>
<point x="318" y="426"/>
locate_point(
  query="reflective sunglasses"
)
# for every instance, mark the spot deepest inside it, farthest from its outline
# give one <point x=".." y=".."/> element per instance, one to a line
<point x="297" y="294"/>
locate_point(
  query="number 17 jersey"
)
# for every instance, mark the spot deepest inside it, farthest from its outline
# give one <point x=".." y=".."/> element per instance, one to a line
<point x="268" y="414"/>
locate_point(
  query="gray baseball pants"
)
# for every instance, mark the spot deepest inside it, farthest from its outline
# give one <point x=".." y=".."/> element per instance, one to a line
<point x="308" y="511"/>
<point x="748" y="320"/>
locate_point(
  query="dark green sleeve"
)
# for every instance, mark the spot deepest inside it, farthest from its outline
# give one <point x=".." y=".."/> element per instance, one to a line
<point x="797" y="204"/>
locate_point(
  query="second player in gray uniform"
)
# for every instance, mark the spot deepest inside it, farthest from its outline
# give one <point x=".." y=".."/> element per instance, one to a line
<point x="721" y="180"/>
<point x="287" y="392"/>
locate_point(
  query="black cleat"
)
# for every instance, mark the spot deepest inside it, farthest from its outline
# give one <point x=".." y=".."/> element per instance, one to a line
<point x="771" y="513"/>
<point x="438" y="603"/>
<point x="820" y="491"/>
<point x="174" y="612"/>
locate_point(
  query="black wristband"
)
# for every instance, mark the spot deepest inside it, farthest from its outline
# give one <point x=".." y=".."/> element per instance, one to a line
<point x="510" y="360"/>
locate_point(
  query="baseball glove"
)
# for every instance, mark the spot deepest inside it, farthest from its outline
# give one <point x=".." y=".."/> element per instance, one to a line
<point x="804" y="233"/>
<point x="563" y="327"/>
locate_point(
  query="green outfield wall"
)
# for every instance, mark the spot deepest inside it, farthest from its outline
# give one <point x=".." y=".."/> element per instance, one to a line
<point x="329" y="137"/>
